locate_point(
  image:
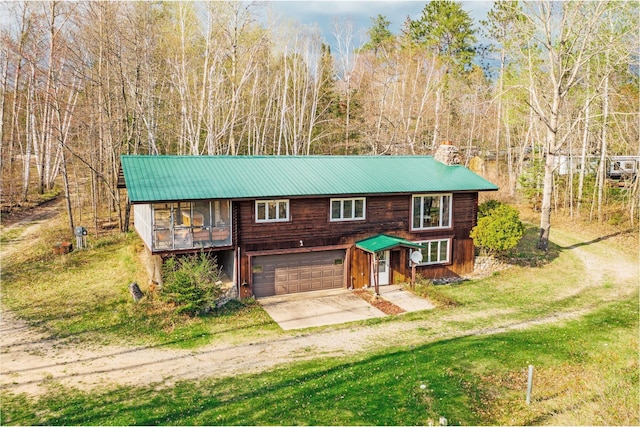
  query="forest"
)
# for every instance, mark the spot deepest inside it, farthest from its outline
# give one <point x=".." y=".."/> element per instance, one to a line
<point x="533" y="85"/>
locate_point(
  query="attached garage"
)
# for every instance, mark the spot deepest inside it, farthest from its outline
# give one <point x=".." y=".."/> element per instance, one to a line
<point x="297" y="272"/>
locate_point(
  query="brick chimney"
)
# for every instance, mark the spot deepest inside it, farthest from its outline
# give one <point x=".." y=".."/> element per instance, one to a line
<point x="447" y="154"/>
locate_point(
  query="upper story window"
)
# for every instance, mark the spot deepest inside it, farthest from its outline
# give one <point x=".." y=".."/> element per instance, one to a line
<point x="431" y="211"/>
<point x="348" y="209"/>
<point x="272" y="210"/>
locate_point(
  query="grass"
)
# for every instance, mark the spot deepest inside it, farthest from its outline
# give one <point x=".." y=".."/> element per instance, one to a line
<point x="84" y="296"/>
<point x="10" y="235"/>
<point x="586" y="373"/>
<point x="467" y="353"/>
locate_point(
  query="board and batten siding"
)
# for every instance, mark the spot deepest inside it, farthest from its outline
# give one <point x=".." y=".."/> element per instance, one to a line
<point x="142" y="223"/>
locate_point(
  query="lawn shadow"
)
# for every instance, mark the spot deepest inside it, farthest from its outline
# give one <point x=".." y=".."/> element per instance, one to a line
<point x="596" y="240"/>
<point x="527" y="254"/>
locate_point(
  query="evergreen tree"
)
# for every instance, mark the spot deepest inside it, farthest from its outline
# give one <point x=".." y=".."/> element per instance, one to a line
<point x="447" y="30"/>
<point x="379" y="34"/>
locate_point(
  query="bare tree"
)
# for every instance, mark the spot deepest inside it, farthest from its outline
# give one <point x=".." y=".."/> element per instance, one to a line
<point x="566" y="34"/>
<point x="344" y="35"/>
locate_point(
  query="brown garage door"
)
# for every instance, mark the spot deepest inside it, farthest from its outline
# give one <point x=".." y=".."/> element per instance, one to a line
<point x="299" y="272"/>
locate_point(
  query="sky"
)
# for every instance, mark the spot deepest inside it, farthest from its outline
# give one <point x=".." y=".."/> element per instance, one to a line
<point x="323" y="13"/>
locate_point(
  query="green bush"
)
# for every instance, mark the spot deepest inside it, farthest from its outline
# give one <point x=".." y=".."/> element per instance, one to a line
<point x="191" y="283"/>
<point x="499" y="230"/>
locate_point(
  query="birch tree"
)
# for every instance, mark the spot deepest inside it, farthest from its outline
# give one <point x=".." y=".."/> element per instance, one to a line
<point x="566" y="36"/>
<point x="344" y="36"/>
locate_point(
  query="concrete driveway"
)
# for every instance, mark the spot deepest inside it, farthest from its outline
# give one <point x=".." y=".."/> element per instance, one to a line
<point x="330" y="307"/>
<point x="318" y="308"/>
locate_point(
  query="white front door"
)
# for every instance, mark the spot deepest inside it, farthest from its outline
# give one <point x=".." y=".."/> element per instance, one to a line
<point x="383" y="267"/>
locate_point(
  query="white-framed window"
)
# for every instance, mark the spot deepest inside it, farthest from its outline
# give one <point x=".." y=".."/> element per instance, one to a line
<point x="435" y="251"/>
<point x="272" y="210"/>
<point x="431" y="211"/>
<point x="348" y="209"/>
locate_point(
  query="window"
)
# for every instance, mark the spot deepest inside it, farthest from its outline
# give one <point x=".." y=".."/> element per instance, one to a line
<point x="347" y="209"/>
<point x="272" y="210"/>
<point x="431" y="211"/>
<point x="435" y="251"/>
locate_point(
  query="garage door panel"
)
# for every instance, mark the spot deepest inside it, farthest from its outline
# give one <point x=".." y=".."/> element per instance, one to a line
<point x="305" y="275"/>
<point x="281" y="290"/>
<point x="299" y="272"/>
<point x="304" y="286"/>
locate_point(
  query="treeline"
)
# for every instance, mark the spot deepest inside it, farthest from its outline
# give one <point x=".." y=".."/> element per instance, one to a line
<point x="84" y="82"/>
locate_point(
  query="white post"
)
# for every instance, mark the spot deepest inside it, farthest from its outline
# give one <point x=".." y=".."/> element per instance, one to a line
<point x="529" y="384"/>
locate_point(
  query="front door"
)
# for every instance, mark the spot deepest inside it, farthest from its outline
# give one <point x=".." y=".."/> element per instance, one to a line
<point x="383" y="267"/>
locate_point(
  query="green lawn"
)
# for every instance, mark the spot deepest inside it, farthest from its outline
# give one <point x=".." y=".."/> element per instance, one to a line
<point x="84" y="296"/>
<point x="586" y="368"/>
<point x="469" y="354"/>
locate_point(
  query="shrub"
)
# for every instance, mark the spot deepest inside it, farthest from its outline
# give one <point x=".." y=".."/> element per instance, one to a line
<point x="498" y="231"/>
<point x="191" y="283"/>
<point x="485" y="208"/>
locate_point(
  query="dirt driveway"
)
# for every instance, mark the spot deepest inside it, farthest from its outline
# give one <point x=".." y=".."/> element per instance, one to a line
<point x="30" y="360"/>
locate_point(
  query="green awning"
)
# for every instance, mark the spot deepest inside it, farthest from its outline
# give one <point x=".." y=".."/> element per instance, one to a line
<point x="383" y="242"/>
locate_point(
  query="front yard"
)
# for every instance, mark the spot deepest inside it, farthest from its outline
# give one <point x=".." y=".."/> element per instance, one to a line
<point x="92" y="356"/>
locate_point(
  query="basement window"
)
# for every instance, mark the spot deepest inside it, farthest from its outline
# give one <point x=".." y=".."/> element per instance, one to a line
<point x="435" y="251"/>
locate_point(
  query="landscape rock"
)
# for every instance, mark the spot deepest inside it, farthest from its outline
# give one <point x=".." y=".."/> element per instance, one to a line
<point x="136" y="293"/>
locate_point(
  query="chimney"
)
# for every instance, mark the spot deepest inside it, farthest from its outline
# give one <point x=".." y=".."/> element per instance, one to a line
<point x="447" y="154"/>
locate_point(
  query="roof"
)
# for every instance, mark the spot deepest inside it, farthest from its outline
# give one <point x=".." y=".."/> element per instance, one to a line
<point x="172" y="178"/>
<point x="383" y="242"/>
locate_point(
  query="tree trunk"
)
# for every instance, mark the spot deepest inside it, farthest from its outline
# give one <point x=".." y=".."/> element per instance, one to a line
<point x="127" y="215"/>
<point x="603" y="150"/>
<point x="67" y="192"/>
<point x="5" y="69"/>
<point x="499" y="118"/>
<point x="547" y="192"/>
<point x="547" y="183"/>
<point x="436" y="125"/>
<point x="583" y="155"/>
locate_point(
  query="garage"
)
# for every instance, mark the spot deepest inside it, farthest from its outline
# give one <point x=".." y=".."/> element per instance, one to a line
<point x="297" y="272"/>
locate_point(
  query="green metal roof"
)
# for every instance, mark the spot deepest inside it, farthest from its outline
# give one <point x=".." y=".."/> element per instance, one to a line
<point x="172" y="178"/>
<point x="383" y="242"/>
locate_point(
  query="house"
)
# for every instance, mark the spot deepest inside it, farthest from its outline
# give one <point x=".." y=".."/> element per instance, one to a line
<point x="286" y="224"/>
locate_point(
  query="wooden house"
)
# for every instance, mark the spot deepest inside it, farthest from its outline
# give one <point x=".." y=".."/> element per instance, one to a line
<point x="286" y="224"/>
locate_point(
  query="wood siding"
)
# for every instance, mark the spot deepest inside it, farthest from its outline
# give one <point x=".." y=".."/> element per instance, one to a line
<point x="309" y="226"/>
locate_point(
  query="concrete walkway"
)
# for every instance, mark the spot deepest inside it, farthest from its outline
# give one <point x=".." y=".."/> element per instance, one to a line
<point x="317" y="308"/>
<point x="406" y="300"/>
<point x="330" y="307"/>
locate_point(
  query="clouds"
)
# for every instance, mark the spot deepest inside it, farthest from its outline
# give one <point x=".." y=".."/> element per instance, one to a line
<point x="324" y="13"/>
